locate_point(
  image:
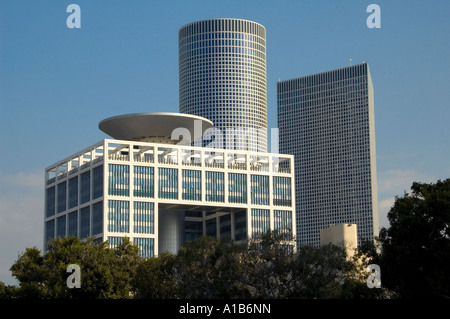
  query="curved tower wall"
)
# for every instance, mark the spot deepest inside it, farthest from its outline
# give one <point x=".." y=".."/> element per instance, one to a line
<point x="222" y="77"/>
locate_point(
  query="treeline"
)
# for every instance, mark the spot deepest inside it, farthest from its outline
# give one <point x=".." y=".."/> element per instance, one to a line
<point x="412" y="255"/>
<point x="204" y="268"/>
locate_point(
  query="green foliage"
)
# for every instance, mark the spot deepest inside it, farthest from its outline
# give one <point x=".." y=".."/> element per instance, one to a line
<point x="105" y="272"/>
<point x="266" y="267"/>
<point x="155" y="278"/>
<point x="208" y="268"/>
<point x="7" y="292"/>
<point x="415" y="256"/>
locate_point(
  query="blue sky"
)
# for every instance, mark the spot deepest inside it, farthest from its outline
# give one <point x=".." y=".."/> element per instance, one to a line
<point x="57" y="83"/>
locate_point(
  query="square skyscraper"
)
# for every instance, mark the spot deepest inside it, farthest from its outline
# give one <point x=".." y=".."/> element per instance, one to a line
<point x="326" y="121"/>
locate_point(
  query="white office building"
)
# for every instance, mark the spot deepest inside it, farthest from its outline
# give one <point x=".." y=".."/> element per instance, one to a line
<point x="149" y="184"/>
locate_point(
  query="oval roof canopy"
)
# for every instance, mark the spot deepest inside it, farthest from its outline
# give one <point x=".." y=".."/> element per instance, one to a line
<point x="142" y="126"/>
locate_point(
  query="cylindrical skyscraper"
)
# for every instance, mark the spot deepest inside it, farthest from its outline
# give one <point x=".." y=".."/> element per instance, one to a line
<point x="222" y="74"/>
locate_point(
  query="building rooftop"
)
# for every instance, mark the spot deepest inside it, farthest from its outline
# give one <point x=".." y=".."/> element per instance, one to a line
<point x="169" y="128"/>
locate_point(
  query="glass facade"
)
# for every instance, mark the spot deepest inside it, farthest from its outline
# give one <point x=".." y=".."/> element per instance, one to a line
<point x="146" y="246"/>
<point x="61" y="226"/>
<point x="85" y="222"/>
<point x="61" y="197"/>
<point x="214" y="187"/>
<point x="73" y="192"/>
<point x="237" y="188"/>
<point x="97" y="218"/>
<point x="283" y="223"/>
<point x="73" y="224"/>
<point x="118" y="216"/>
<point x="49" y="231"/>
<point x="50" y="206"/>
<point x="240" y="225"/>
<point x="282" y="193"/>
<point x="97" y="182"/>
<point x="119" y="180"/>
<point x="193" y="229"/>
<point x="144" y="181"/>
<point x="85" y="187"/>
<point x="260" y="221"/>
<point x="326" y="121"/>
<point x="192" y="185"/>
<point x="211" y="227"/>
<point x="259" y="189"/>
<point x="144" y="218"/>
<point x="223" y="78"/>
<point x="123" y="196"/>
<point x="168" y="183"/>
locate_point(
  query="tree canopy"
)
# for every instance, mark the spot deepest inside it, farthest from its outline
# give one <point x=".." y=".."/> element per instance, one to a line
<point x="415" y="254"/>
<point x="105" y="272"/>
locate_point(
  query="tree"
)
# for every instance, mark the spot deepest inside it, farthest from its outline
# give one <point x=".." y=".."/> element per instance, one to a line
<point x="105" y="272"/>
<point x="30" y="271"/>
<point x="268" y="266"/>
<point x="155" y="278"/>
<point x="209" y="268"/>
<point x="7" y="291"/>
<point x="415" y="255"/>
<point x="322" y="272"/>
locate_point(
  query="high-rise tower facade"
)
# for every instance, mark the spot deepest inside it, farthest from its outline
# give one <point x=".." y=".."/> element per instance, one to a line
<point x="326" y="121"/>
<point x="222" y="77"/>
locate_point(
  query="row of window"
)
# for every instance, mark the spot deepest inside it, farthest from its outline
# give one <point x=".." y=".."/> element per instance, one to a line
<point x="200" y="30"/>
<point x="260" y="222"/>
<point x="77" y="223"/>
<point x="194" y="45"/>
<point x="227" y="50"/>
<point x="208" y="35"/>
<point x="343" y="74"/>
<point x="146" y="245"/>
<point x="59" y="198"/>
<point x="77" y="191"/>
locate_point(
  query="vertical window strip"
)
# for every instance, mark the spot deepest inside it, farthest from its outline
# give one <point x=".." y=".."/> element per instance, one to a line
<point x="191" y="188"/>
<point x="282" y="191"/>
<point x="50" y="198"/>
<point x="283" y="223"/>
<point x="144" y="218"/>
<point x="144" y="180"/>
<point x="118" y="180"/>
<point x="214" y="187"/>
<point x="260" y="221"/>
<point x="118" y="216"/>
<point x="85" y="187"/>
<point x="98" y="182"/>
<point x="85" y="222"/>
<point x="61" y="196"/>
<point x="97" y="218"/>
<point x="259" y="189"/>
<point x="114" y="241"/>
<point x="73" y="192"/>
<point x="237" y="188"/>
<point x="146" y="246"/>
<point x="73" y="224"/>
<point x="167" y="183"/>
